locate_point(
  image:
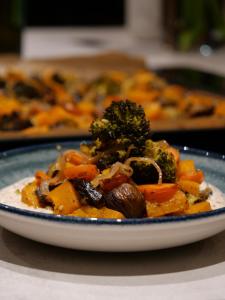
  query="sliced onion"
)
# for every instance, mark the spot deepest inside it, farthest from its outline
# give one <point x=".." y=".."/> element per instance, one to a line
<point x="146" y="160"/>
<point x="118" y="167"/>
<point x="44" y="187"/>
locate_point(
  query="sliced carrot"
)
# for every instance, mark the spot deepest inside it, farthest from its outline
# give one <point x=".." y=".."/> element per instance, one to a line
<point x="196" y="176"/>
<point x="198" y="207"/>
<point x="158" y="192"/>
<point x="88" y="171"/>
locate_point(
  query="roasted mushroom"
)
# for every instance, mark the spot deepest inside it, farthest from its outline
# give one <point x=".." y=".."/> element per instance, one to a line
<point x="88" y="193"/>
<point x="128" y="200"/>
<point x="25" y="90"/>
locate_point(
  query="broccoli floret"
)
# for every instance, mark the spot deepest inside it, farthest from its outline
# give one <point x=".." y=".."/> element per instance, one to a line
<point x="146" y="173"/>
<point x="106" y="160"/>
<point x="167" y="164"/>
<point x="107" y="86"/>
<point x="123" y="124"/>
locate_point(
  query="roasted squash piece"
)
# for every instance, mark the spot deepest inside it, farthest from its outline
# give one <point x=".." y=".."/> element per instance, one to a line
<point x="92" y="212"/>
<point x="29" y="195"/>
<point x="110" y="213"/>
<point x="198" y="208"/>
<point x="189" y="186"/>
<point x="196" y="176"/>
<point x="177" y="204"/>
<point x="64" y="199"/>
<point x="186" y="166"/>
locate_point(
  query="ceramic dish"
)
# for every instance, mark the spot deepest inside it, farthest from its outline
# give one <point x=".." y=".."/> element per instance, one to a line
<point x="106" y="234"/>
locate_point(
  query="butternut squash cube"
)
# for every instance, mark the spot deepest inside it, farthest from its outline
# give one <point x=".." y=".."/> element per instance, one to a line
<point x="175" y="205"/>
<point x="198" y="208"/>
<point x="93" y="212"/>
<point x="186" y="166"/>
<point x="64" y="199"/>
<point x="189" y="186"/>
<point x="29" y="196"/>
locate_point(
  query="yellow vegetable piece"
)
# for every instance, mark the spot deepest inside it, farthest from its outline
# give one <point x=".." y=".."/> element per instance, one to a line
<point x="177" y="204"/>
<point x="93" y="212"/>
<point x="64" y="198"/>
<point x="198" y="207"/>
<point x="186" y="166"/>
<point x="189" y="186"/>
<point x="29" y="195"/>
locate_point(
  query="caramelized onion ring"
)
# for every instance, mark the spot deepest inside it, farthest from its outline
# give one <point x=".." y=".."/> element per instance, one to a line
<point x="118" y="167"/>
<point x="146" y="160"/>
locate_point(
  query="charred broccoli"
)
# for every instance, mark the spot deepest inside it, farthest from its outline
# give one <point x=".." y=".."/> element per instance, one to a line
<point x="123" y="125"/>
<point x="106" y="85"/>
<point x="146" y="173"/>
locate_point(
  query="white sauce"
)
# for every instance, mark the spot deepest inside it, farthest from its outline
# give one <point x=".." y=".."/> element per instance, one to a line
<point x="11" y="196"/>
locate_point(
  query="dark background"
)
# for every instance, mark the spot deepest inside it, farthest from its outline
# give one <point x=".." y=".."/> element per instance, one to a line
<point x="74" y="13"/>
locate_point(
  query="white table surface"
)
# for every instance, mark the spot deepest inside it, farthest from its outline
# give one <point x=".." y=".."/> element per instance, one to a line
<point x="30" y="270"/>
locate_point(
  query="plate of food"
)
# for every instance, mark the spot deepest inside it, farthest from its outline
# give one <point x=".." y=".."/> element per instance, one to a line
<point x="120" y="191"/>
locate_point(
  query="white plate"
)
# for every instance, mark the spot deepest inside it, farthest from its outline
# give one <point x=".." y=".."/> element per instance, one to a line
<point x="105" y="234"/>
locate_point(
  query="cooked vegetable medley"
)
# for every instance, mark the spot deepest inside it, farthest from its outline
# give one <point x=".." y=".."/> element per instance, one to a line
<point x="45" y="101"/>
<point x="122" y="173"/>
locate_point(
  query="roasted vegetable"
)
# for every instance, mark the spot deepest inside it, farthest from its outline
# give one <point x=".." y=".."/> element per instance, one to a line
<point x="13" y="121"/>
<point x="120" y="134"/>
<point x="64" y="198"/>
<point x="198" y="208"/>
<point x="24" y="90"/>
<point x="106" y="86"/>
<point x="123" y="124"/>
<point x="29" y="195"/>
<point x="88" y="193"/>
<point x="128" y="200"/>
<point x="189" y="186"/>
<point x="2" y="83"/>
<point x="106" y="159"/>
<point x="176" y="205"/>
<point x="158" y="192"/>
<point x="93" y="212"/>
<point x="187" y="171"/>
<point x="146" y="173"/>
<point x="56" y="77"/>
<point x="84" y="171"/>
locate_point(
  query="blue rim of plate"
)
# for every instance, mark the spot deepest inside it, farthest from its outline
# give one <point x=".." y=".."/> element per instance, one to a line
<point x="100" y="221"/>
